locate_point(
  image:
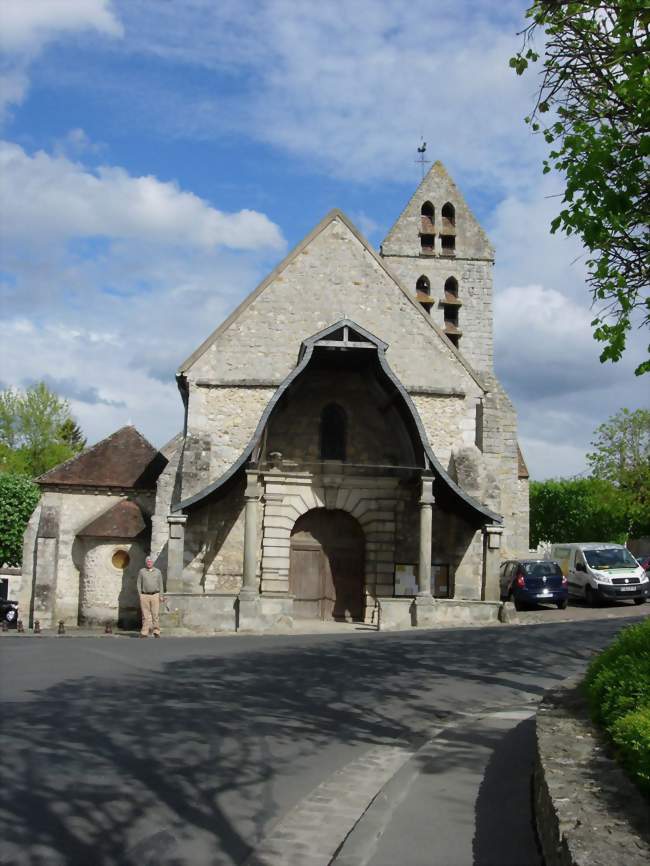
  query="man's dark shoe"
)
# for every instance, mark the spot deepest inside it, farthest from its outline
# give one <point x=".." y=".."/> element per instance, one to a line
<point x="156" y="635"/>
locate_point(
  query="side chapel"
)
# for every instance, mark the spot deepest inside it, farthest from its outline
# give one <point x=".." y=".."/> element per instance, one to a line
<point x="347" y="448"/>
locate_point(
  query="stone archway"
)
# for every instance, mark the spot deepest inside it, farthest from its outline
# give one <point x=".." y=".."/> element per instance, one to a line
<point x="326" y="571"/>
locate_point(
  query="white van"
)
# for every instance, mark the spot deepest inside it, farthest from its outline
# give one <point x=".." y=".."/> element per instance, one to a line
<point x="597" y="571"/>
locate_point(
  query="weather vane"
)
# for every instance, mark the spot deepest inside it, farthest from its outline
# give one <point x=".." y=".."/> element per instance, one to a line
<point x="421" y="161"/>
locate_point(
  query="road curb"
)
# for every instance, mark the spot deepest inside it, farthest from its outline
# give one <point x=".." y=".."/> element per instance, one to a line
<point x="587" y="811"/>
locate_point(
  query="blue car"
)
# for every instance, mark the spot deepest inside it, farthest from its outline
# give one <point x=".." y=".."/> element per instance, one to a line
<point x="529" y="582"/>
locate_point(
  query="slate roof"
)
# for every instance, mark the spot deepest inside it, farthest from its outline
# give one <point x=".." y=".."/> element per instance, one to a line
<point x="124" y="459"/>
<point x="123" y="520"/>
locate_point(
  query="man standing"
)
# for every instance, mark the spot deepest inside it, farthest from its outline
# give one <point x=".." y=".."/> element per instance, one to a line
<point x="151" y="592"/>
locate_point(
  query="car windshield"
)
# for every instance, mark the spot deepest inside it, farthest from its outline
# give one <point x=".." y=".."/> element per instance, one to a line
<point x="543" y="569"/>
<point x="610" y="557"/>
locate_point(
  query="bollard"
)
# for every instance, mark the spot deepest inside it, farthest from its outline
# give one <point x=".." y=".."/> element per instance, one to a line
<point x="20" y="628"/>
<point x="37" y="626"/>
<point x="4" y="626"/>
<point x="61" y="627"/>
<point x="108" y="628"/>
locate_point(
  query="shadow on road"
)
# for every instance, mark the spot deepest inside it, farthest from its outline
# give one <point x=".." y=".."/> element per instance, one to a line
<point x="191" y="763"/>
<point x="505" y="833"/>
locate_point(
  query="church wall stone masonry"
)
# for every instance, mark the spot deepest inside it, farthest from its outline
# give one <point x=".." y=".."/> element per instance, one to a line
<point x="348" y="452"/>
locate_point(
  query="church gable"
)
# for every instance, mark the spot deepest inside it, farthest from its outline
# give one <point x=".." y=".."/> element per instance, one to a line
<point x="332" y="275"/>
<point x="437" y="222"/>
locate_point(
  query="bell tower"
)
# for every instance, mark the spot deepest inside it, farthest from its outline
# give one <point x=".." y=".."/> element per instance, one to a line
<point x="440" y="253"/>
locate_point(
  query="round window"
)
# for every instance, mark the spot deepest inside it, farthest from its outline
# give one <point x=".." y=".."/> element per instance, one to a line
<point x="120" y="559"/>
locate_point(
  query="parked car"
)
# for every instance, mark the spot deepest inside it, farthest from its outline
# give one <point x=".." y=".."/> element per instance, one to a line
<point x="531" y="581"/>
<point x="602" y="571"/>
<point x="9" y="612"/>
<point x="645" y="563"/>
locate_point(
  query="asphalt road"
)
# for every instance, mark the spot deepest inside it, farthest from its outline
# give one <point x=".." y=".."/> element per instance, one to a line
<point x="359" y="748"/>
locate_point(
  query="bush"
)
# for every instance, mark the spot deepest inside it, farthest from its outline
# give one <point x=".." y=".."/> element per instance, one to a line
<point x="618" y="692"/>
<point x="631" y="734"/>
<point x="18" y="499"/>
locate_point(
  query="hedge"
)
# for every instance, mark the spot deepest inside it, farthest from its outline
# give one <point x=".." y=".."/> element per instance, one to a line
<point x="18" y="498"/>
<point x="618" y="692"/>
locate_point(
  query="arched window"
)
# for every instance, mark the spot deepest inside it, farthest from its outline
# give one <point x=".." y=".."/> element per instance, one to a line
<point x="333" y="423"/>
<point x="423" y="293"/>
<point x="451" y="309"/>
<point x="448" y="212"/>
<point x="427" y="229"/>
<point x="451" y="287"/>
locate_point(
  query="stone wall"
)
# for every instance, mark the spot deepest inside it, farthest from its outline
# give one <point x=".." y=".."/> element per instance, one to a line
<point x="334" y="276"/>
<point x="221" y="421"/>
<point x="448" y="422"/>
<point x="168" y="492"/>
<point x="214" y="543"/>
<point x="499" y="439"/>
<point x="108" y="593"/>
<point x="587" y="810"/>
<point x="374" y="433"/>
<point x="474" y="280"/>
<point x="74" y="510"/>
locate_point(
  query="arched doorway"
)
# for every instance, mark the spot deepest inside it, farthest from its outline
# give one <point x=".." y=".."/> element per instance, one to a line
<point x="327" y="566"/>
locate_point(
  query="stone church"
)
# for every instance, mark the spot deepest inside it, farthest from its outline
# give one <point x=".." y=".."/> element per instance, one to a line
<point x="347" y="451"/>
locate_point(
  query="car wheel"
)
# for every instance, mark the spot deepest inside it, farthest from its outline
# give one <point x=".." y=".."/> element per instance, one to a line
<point x="519" y="605"/>
<point x="561" y="605"/>
<point x="639" y="601"/>
<point x="590" y="597"/>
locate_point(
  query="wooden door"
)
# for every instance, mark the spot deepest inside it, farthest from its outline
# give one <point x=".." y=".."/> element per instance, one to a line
<point x="306" y="570"/>
<point x="326" y="573"/>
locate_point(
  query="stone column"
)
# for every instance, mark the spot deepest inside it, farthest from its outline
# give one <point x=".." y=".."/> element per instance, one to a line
<point x="252" y="494"/>
<point x="492" y="562"/>
<point x="175" y="552"/>
<point x="46" y="567"/>
<point x="424" y="605"/>
<point x="426" y="531"/>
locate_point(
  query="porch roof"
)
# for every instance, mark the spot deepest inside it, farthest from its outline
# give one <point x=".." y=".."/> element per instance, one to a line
<point x="346" y="335"/>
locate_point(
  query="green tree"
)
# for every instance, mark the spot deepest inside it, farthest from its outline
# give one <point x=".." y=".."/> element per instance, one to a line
<point x="577" y="509"/>
<point x="621" y="456"/>
<point x="37" y="431"/>
<point x="595" y="87"/>
<point x="18" y="498"/>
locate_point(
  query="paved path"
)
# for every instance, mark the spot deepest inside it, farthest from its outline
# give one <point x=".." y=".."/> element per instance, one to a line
<point x="350" y="748"/>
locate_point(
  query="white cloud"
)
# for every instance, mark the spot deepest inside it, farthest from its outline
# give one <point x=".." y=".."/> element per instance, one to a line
<point x="56" y="198"/>
<point x="27" y="25"/>
<point x="112" y="280"/>
<point x="348" y="86"/>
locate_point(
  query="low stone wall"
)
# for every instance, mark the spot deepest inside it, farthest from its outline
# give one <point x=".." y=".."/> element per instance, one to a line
<point x="400" y="613"/>
<point x="587" y="811"/>
<point x="225" y="612"/>
<point x="200" y="613"/>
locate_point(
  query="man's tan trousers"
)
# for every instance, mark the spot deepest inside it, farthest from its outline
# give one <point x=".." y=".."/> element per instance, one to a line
<point x="150" y="607"/>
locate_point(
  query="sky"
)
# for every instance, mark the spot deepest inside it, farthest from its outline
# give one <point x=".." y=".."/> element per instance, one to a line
<point x="159" y="157"/>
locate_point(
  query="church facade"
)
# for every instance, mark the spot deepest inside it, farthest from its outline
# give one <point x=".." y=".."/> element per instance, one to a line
<point x="348" y="452"/>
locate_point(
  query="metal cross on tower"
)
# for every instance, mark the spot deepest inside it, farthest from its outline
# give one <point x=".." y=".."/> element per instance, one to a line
<point x="421" y="161"/>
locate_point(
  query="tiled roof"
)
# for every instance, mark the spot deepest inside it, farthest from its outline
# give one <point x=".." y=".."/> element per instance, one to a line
<point x="123" y="520"/>
<point x="124" y="459"/>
